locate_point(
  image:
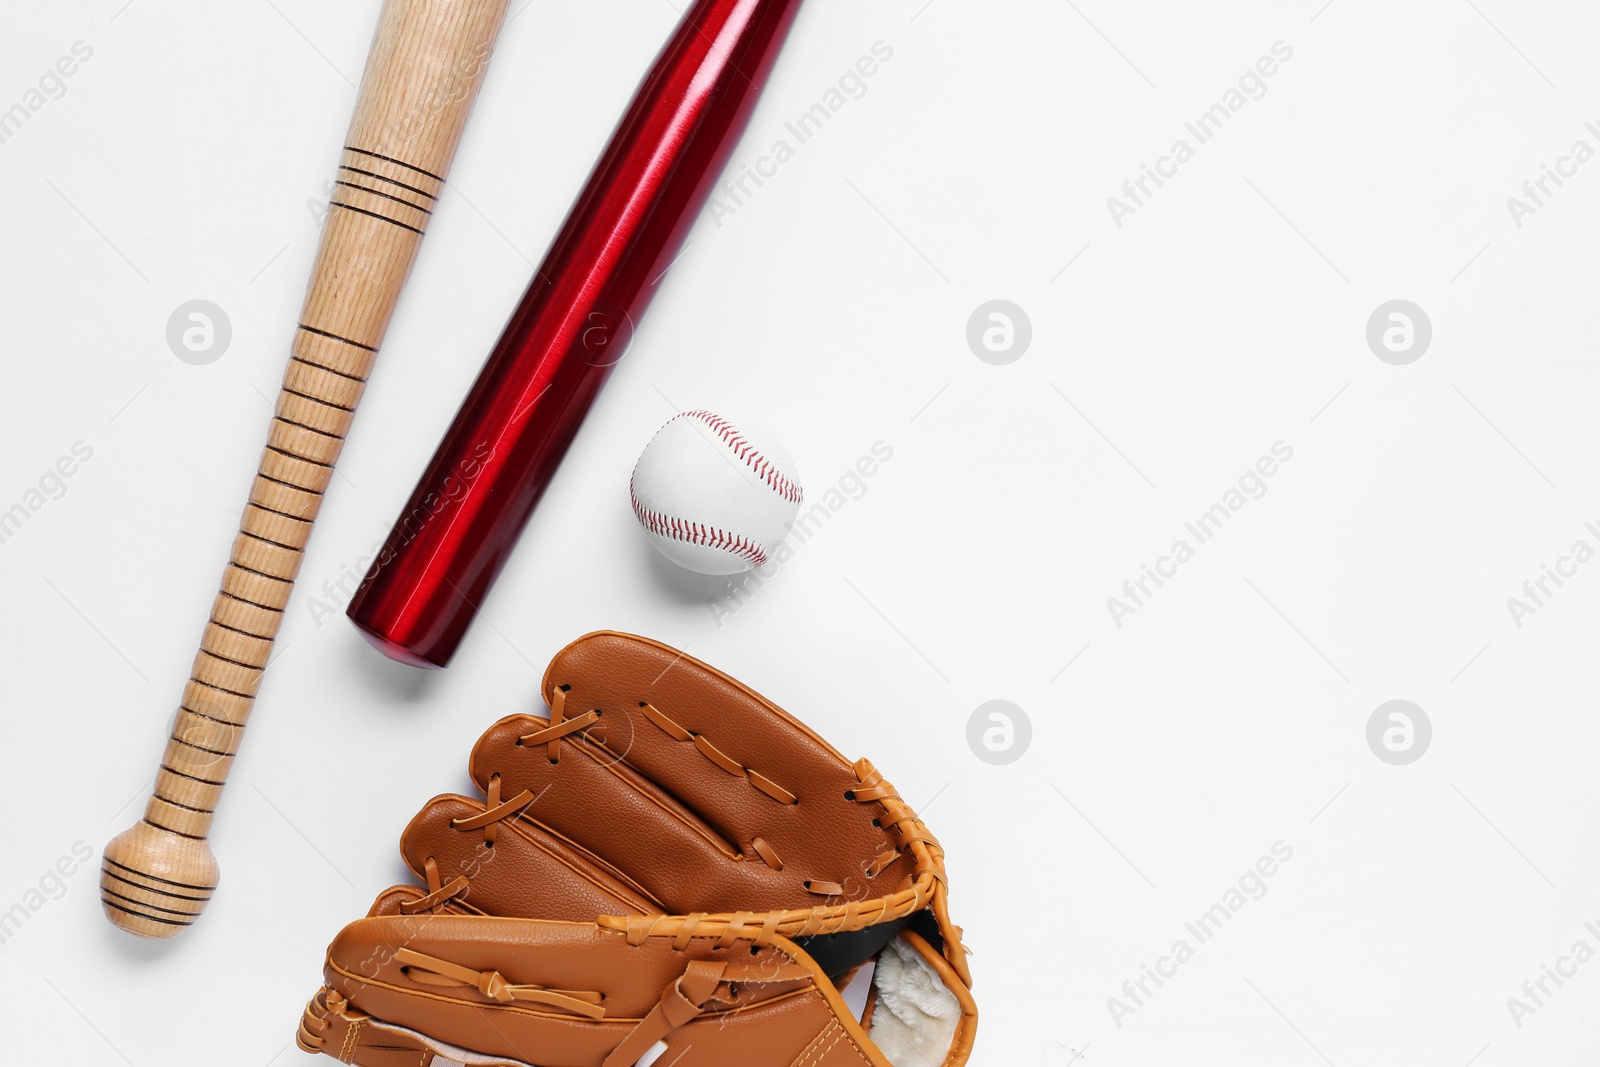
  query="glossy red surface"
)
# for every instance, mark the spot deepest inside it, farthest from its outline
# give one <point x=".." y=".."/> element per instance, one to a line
<point x="572" y="326"/>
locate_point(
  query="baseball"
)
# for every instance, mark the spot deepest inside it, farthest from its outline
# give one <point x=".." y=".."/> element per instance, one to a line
<point x="714" y="496"/>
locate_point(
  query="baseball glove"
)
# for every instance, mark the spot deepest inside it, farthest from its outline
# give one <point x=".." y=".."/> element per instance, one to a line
<point x="669" y="868"/>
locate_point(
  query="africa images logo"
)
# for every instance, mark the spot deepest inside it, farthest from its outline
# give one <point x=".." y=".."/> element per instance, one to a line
<point x="51" y="85"/>
<point x="51" y="486"/>
<point x="1250" y="886"/>
<point x="1251" y="85"/>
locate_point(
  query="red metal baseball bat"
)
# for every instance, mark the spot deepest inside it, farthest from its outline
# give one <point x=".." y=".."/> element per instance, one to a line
<point x="572" y="326"/>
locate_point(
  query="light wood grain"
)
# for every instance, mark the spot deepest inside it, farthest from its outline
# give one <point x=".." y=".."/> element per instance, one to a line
<point x="426" y="65"/>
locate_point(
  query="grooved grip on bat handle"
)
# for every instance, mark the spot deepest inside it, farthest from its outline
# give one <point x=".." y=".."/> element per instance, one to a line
<point x="427" y="62"/>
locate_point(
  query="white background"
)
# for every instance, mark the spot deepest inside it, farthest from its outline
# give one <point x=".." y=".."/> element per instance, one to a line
<point x="1168" y="354"/>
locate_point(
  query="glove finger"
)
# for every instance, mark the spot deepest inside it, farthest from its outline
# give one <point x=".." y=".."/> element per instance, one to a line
<point x="619" y="817"/>
<point x="708" y="794"/>
<point x="520" y="869"/>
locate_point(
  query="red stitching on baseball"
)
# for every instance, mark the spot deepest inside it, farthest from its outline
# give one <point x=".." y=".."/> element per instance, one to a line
<point x="764" y="468"/>
<point x="697" y="533"/>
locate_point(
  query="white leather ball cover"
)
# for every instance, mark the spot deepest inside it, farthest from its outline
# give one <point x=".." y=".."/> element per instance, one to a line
<point x="714" y="496"/>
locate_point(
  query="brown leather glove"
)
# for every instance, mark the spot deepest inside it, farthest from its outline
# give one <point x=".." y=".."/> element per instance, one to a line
<point x="668" y="860"/>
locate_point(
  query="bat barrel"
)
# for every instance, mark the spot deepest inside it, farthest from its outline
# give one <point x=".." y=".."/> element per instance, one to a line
<point x="427" y="62"/>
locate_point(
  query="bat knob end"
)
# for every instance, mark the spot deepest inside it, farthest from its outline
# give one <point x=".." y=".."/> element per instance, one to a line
<point x="155" y="883"/>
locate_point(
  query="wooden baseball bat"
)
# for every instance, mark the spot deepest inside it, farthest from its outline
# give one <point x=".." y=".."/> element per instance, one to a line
<point x="426" y="65"/>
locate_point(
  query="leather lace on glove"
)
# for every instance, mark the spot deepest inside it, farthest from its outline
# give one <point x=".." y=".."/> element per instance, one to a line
<point x="667" y="868"/>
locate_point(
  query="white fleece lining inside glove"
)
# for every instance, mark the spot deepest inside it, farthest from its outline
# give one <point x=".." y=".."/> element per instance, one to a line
<point x="915" y="1021"/>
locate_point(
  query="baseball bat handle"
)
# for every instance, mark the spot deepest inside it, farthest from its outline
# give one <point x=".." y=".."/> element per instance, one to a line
<point x="427" y="62"/>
